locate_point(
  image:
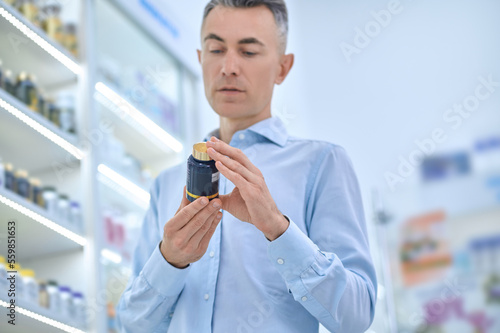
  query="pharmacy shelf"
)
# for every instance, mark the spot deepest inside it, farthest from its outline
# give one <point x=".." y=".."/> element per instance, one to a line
<point x="37" y="233"/>
<point x="119" y="184"/>
<point x="143" y="138"/>
<point x="21" y="128"/>
<point x="33" y="318"/>
<point x="25" y="46"/>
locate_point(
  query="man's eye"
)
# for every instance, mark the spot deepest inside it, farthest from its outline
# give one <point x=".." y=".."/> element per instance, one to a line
<point x="215" y="51"/>
<point x="250" y="53"/>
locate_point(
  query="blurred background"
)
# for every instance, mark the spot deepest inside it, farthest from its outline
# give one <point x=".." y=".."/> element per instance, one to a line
<point x="97" y="97"/>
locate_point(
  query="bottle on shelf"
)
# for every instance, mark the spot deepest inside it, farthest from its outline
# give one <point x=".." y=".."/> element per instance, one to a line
<point x="49" y="196"/>
<point x="1" y="74"/>
<point x="63" y="208"/>
<point x="4" y="283"/>
<point x="29" y="9"/>
<point x="75" y="216"/>
<point x="30" y="286"/>
<point x="70" y="38"/>
<point x="26" y="91"/>
<point x="66" y="301"/>
<point x="52" y="23"/>
<point x="2" y="174"/>
<point x="54" y="301"/>
<point x="8" y="83"/>
<point x="10" y="179"/>
<point x="35" y="191"/>
<point x="43" y="295"/>
<point x="66" y="106"/>
<point x="22" y="185"/>
<point x="78" y="310"/>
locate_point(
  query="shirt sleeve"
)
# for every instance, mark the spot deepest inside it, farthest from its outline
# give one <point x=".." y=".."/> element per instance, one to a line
<point x="330" y="271"/>
<point x="154" y="287"/>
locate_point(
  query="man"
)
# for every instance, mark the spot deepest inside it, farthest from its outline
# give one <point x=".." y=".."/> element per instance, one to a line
<point x="289" y="249"/>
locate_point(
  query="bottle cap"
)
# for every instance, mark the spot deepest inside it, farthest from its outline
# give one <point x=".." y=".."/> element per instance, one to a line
<point x="27" y="272"/>
<point x="22" y="76"/>
<point x="200" y="151"/>
<point x="21" y="173"/>
<point x="52" y="283"/>
<point x="49" y="189"/>
<point x="77" y="295"/>
<point x="34" y="181"/>
<point x="64" y="289"/>
<point x="9" y="166"/>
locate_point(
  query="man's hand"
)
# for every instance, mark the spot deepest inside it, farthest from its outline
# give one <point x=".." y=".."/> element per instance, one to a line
<point x="250" y="201"/>
<point x="186" y="235"/>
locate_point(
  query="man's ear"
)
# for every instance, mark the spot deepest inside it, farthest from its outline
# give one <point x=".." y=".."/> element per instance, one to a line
<point x="199" y="55"/>
<point x="285" y="67"/>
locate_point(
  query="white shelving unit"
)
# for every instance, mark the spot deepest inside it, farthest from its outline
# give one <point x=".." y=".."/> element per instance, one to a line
<point x="78" y="165"/>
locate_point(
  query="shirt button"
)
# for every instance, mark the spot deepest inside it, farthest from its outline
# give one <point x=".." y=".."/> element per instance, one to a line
<point x="304" y="298"/>
<point x="281" y="261"/>
<point x="206" y="297"/>
<point x="241" y="136"/>
<point x="171" y="314"/>
<point x="211" y="254"/>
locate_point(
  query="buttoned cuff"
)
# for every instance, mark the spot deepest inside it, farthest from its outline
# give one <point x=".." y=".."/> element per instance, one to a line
<point x="163" y="277"/>
<point x="292" y="253"/>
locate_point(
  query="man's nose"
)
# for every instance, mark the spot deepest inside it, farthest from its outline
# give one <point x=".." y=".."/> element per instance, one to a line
<point x="230" y="64"/>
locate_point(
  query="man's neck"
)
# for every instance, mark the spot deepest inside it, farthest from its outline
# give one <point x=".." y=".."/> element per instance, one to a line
<point x="228" y="126"/>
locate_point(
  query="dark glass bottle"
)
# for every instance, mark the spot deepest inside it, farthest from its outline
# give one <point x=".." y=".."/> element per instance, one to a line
<point x="202" y="175"/>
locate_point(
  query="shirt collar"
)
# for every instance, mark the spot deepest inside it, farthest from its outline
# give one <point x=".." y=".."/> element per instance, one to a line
<point x="271" y="128"/>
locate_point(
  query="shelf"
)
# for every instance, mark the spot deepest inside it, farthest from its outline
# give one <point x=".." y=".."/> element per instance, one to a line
<point x="29" y="43"/>
<point x="37" y="233"/>
<point x="22" y="128"/>
<point x="31" y="318"/>
<point x="123" y="186"/>
<point x="143" y="138"/>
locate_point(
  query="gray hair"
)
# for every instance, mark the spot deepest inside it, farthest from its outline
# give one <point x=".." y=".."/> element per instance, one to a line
<point x="277" y="7"/>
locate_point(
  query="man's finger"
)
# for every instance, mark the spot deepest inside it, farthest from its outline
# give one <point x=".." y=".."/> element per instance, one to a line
<point x="206" y="238"/>
<point x="185" y="214"/>
<point x="184" y="201"/>
<point x="232" y="152"/>
<point x="200" y="233"/>
<point x="233" y="165"/>
<point x="202" y="217"/>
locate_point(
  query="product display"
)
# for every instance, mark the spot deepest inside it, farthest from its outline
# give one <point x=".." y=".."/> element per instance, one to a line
<point x="35" y="192"/>
<point x="25" y="89"/>
<point x="202" y="175"/>
<point x="10" y="180"/>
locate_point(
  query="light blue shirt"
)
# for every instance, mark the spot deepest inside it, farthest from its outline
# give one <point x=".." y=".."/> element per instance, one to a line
<point x="318" y="271"/>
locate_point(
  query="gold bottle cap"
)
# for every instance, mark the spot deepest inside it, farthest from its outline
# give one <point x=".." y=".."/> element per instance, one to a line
<point x="22" y="76"/>
<point x="9" y="166"/>
<point x="200" y="151"/>
<point x="21" y="173"/>
<point x="34" y="182"/>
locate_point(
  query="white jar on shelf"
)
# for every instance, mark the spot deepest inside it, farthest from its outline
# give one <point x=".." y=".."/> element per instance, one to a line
<point x="79" y="308"/>
<point x="63" y="208"/>
<point x="54" y="303"/>
<point x="66" y="301"/>
<point x="30" y="286"/>
<point x="75" y="216"/>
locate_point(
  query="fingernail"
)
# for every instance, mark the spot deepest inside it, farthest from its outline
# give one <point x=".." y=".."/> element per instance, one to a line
<point x="219" y="216"/>
<point x="204" y="201"/>
<point x="209" y="143"/>
<point x="216" y="204"/>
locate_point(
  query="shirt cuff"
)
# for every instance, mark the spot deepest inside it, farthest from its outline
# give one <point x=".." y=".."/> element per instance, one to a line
<point x="292" y="253"/>
<point x="163" y="277"/>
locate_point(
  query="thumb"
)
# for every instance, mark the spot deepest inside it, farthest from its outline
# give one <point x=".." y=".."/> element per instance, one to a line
<point x="184" y="201"/>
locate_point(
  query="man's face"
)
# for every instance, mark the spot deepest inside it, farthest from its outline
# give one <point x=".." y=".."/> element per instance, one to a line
<point x="240" y="60"/>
